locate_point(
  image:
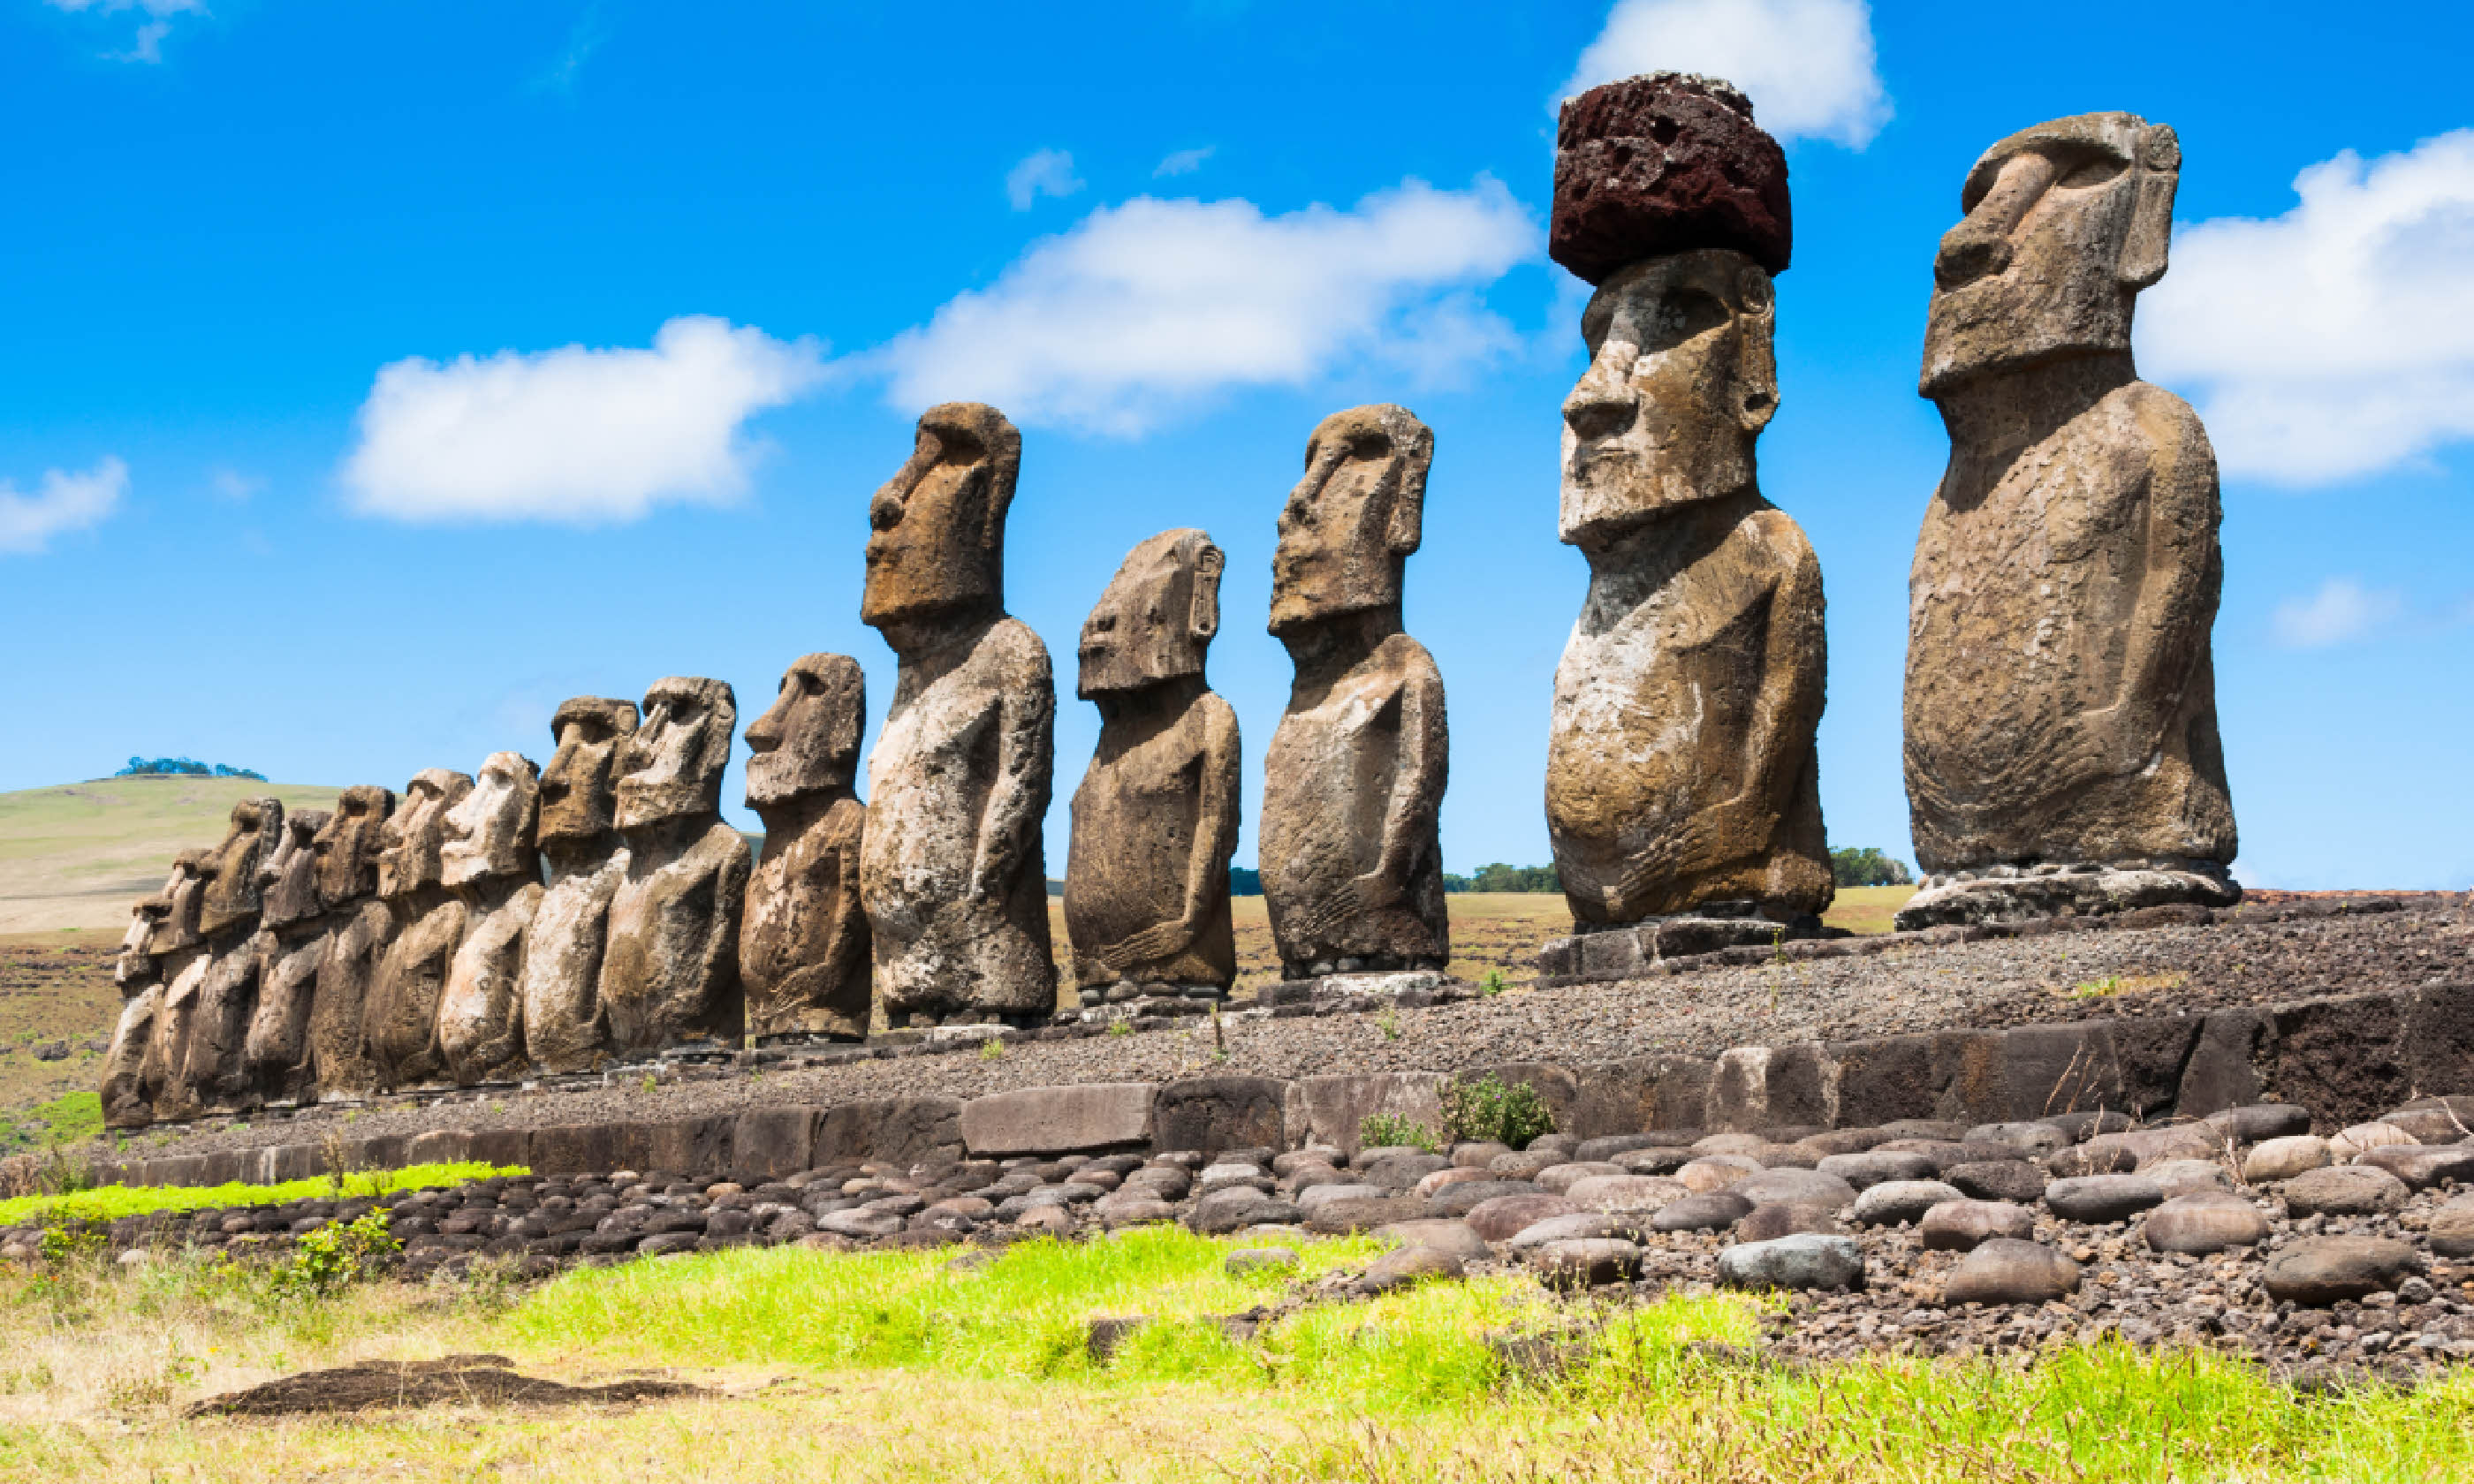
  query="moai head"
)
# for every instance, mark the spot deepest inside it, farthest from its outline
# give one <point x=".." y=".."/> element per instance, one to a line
<point x="182" y="895"/>
<point x="490" y="833"/>
<point x="579" y="798"/>
<point x="2066" y="223"/>
<point x="232" y="893"/>
<point x="288" y="881"/>
<point x="808" y="741"/>
<point x="1354" y="519"/>
<point x="136" y="953"/>
<point x="410" y="841"/>
<point x="1156" y="618"/>
<point x="670" y="767"/>
<point x="936" y="547"/>
<point x="348" y="846"/>
<point x="1682" y="381"/>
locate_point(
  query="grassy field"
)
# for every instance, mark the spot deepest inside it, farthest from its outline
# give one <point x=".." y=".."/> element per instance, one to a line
<point x="901" y="1367"/>
<point x="76" y="856"/>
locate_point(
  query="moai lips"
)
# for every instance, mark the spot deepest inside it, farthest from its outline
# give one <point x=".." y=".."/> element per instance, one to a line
<point x="803" y="947"/>
<point x="579" y="832"/>
<point x="489" y="860"/>
<point x="669" y="970"/>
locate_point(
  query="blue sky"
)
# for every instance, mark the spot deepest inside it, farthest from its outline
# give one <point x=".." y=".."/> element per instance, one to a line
<point x="379" y="374"/>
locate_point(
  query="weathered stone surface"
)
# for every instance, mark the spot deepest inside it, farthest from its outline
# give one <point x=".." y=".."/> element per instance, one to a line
<point x="2319" y="1272"/>
<point x="1505" y="1217"/>
<point x="1715" y="1211"/>
<point x="1465" y="1196"/>
<point x="563" y="1028"/>
<point x="1893" y="1201"/>
<point x="489" y="859"/>
<point x="769" y="1144"/>
<point x="1665" y="162"/>
<point x="2206" y="1222"/>
<point x="2256" y="1123"/>
<point x="2010" y="1270"/>
<point x="2080" y="509"/>
<point x="1963" y="1226"/>
<point x="1406" y="1267"/>
<point x="2343" y="1190"/>
<point x="951" y="871"/>
<point x="908" y="1129"/>
<point x="291" y="945"/>
<point x="1873" y="1167"/>
<point x="2283" y="1158"/>
<point x="1336" y="1107"/>
<point x="1797" y="1261"/>
<point x="1059" y="1119"/>
<point x="1681" y="777"/>
<point x="2357" y="1139"/>
<point x="1588" y="1261"/>
<point x="2422" y="1166"/>
<point x="207" y="1069"/>
<point x="1785" y="1219"/>
<point x="1717" y="1171"/>
<point x="1453" y="1239"/>
<point x="2451" y="1231"/>
<point x="401" y="1022"/>
<point x="1999" y="1180"/>
<point x="2096" y="1199"/>
<point x="2187" y="1177"/>
<point x="1810" y="1187"/>
<point x="1213" y="1113"/>
<point x="1353" y="780"/>
<point x="1156" y="818"/>
<point x="669" y="965"/>
<point x="1575" y="1228"/>
<point x="803" y="947"/>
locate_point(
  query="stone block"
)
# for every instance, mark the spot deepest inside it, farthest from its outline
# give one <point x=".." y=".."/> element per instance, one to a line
<point x="1337" y="1106"/>
<point x="772" y="1143"/>
<point x="1767" y="1087"/>
<point x="1558" y="1088"/>
<point x="502" y="1148"/>
<point x="229" y="1166"/>
<point x="439" y="1146"/>
<point x="578" y="1149"/>
<point x="2049" y="1070"/>
<point x="1609" y="955"/>
<point x="2340" y="1058"/>
<point x="1969" y="1083"/>
<point x="179" y="1169"/>
<point x="1639" y="1093"/>
<point x="295" y="1162"/>
<point x="1059" y="1120"/>
<point x="2223" y="1069"/>
<point x="2440" y="1038"/>
<point x="2151" y="1054"/>
<point x="1212" y="1113"/>
<point x="382" y="1152"/>
<point x="691" y="1146"/>
<point x="902" y="1129"/>
<point x="1883" y="1079"/>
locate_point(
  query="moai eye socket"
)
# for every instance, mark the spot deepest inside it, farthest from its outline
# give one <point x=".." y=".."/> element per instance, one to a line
<point x="2078" y="171"/>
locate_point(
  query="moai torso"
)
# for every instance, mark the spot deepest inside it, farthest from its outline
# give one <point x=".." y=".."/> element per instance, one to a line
<point x="182" y="959"/>
<point x="670" y="972"/>
<point x="127" y="1101"/>
<point x="291" y="946"/>
<point x="401" y="1022"/>
<point x="488" y="861"/>
<point x="358" y="928"/>
<point x="1156" y="818"/>
<point x="214" y="1072"/>
<point x="560" y="987"/>
<point x="803" y="941"/>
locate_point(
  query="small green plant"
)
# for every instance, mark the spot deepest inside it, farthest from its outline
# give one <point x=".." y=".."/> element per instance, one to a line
<point x="1389" y="1022"/>
<point x="1489" y="1109"/>
<point x="1121" y="1027"/>
<point x="1392" y="1131"/>
<point x="992" y="1050"/>
<point x="1493" y="983"/>
<point x="334" y="1256"/>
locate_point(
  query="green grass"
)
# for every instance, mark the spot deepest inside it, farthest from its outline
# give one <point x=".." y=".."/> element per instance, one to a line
<point x="71" y="1118"/>
<point x="110" y="1203"/>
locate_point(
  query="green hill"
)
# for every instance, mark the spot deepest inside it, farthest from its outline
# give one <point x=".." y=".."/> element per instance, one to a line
<point x="76" y="855"/>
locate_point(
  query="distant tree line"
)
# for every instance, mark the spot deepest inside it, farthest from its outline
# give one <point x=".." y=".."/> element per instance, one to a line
<point x="183" y="767"/>
<point x="1849" y="866"/>
<point x="1497" y="876"/>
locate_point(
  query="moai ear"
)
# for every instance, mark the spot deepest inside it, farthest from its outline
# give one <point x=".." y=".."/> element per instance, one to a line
<point x="1757" y="366"/>
<point x="1204" y="617"/>
<point x="2151" y="221"/>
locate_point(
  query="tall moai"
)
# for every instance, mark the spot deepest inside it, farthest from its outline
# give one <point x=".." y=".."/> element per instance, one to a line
<point x="1156" y="818"/>
<point x="488" y="859"/>
<point x="212" y="1074"/>
<point x="1683" y="791"/>
<point x="128" y="1100"/>
<point x="578" y="834"/>
<point x="292" y="933"/>
<point x="952" y="875"/>
<point x="1353" y="782"/>
<point x="670" y="966"/>
<point x="400" y="1020"/>
<point x="803" y="941"/>
<point x="182" y="960"/>
<point x="359" y="927"/>
<point x="2061" y="717"/>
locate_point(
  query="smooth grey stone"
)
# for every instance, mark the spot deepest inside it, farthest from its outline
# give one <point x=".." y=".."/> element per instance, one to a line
<point x="1713" y="1211"/>
<point x="2344" y="1190"/>
<point x="2097" y="1199"/>
<point x="1803" y="1261"/>
<point x="2006" y="1270"/>
<point x="1894" y="1201"/>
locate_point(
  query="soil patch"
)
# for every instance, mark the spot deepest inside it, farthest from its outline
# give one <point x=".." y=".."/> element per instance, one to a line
<point x="450" y="1381"/>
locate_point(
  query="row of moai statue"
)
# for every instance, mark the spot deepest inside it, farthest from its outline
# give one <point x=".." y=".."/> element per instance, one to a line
<point x="2061" y="743"/>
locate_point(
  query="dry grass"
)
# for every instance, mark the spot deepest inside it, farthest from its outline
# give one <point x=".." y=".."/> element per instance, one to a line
<point x="76" y="855"/>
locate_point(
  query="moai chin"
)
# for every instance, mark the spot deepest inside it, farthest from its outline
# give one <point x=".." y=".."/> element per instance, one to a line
<point x="952" y="874"/>
<point x="1155" y="819"/>
<point x="670" y="968"/>
<point x="209" y="1071"/>
<point x="1683" y="792"/>
<point x="1353" y="866"/>
<point x="803" y="950"/>
<point x="291" y="945"/>
<point x="488" y="859"/>
<point x="401" y="1022"/>
<point x="578" y="833"/>
<point x="2061" y="724"/>
<point x="359" y="928"/>
<point x="128" y="1100"/>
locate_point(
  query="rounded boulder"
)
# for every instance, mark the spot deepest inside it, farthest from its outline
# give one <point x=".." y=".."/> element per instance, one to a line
<point x="1802" y="1262"/>
<point x="2206" y="1222"/>
<point x="1507" y="1216"/>
<point x="2097" y="1199"/>
<point x="1893" y="1201"/>
<point x="1713" y="1210"/>
<point x="2344" y="1190"/>
<point x="1963" y="1226"/>
<point x="2007" y="1270"/>
<point x="2319" y="1272"/>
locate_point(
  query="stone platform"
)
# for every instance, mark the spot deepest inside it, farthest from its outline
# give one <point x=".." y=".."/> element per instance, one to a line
<point x="2012" y="894"/>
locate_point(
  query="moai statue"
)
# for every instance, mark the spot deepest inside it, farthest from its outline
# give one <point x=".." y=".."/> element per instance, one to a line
<point x="1353" y="866"/>
<point x="561" y="986"/>
<point x="399" y="1024"/>
<point x="212" y="1073"/>
<point x="2061" y="706"/>
<point x="488" y="859"/>
<point x="182" y="962"/>
<point x="1683" y="785"/>
<point x="952" y="874"/>
<point x="803" y="940"/>
<point x="669" y="972"/>
<point x="291" y="946"/>
<point x="1155" y="819"/>
<point x="359" y="928"/>
<point x="127" y="1101"/>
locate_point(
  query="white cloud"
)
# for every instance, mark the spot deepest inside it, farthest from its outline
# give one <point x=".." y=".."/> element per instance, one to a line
<point x="64" y="502"/>
<point x="2341" y="612"/>
<point x="1807" y="64"/>
<point x="1182" y="162"/>
<point x="234" y="485"/>
<point x="147" y="45"/>
<point x="2337" y="340"/>
<point x="573" y="435"/>
<point x="1147" y="308"/>
<point x="1041" y="172"/>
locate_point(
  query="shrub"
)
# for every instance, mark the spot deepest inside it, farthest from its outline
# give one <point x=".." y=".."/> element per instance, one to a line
<point x="336" y="1254"/>
<point x="1488" y="1110"/>
<point x="1389" y="1130"/>
<point x="1867" y="866"/>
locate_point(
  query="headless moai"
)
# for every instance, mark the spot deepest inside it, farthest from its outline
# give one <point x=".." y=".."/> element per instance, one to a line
<point x="293" y="928"/>
<point x="803" y="949"/>
<point x="578" y="834"/>
<point x="401" y="1022"/>
<point x="489" y="860"/>
<point x="359" y="928"/>
<point x="1353" y="780"/>
<point x="952" y="874"/>
<point x="1156" y="818"/>
<point x="669" y="970"/>
<point x="2062" y="753"/>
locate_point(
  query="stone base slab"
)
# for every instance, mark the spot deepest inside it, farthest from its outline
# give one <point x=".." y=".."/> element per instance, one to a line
<point x="2013" y="894"/>
<point x="1626" y="953"/>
